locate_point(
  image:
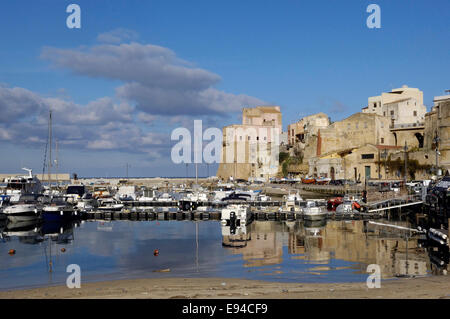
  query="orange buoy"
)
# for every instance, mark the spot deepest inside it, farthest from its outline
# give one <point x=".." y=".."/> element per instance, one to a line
<point x="156" y="252"/>
<point x="12" y="251"/>
<point x="63" y="250"/>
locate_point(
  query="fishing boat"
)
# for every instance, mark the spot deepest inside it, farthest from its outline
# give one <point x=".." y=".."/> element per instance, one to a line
<point x="322" y="180"/>
<point x="313" y="212"/>
<point x="308" y="180"/>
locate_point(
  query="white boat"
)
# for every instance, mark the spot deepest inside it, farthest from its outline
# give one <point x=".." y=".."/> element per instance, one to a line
<point x="291" y="202"/>
<point x="20" y="185"/>
<point x="165" y="197"/>
<point x="196" y="197"/>
<point x="262" y="198"/>
<point x="346" y="207"/>
<point x="313" y="212"/>
<point x="23" y="212"/>
<point x="75" y="193"/>
<point x="126" y="193"/>
<point x="109" y="204"/>
<point x="235" y="215"/>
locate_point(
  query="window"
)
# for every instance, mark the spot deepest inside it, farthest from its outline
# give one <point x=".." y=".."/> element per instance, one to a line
<point x="392" y="112"/>
<point x="382" y="140"/>
<point x="356" y="125"/>
<point x="367" y="156"/>
<point x="257" y="138"/>
<point x="384" y="113"/>
<point x="265" y="138"/>
<point x="249" y="138"/>
<point x="240" y="138"/>
<point x="365" y="124"/>
<point x="415" y="113"/>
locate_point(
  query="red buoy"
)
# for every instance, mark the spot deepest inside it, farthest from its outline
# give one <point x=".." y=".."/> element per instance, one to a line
<point x="156" y="252"/>
<point x="12" y="251"/>
<point x="63" y="250"/>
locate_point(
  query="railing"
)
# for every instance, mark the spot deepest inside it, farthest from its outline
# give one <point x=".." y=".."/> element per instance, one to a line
<point x="406" y="125"/>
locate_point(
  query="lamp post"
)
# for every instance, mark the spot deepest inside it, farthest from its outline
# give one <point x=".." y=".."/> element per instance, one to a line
<point x="406" y="164"/>
<point x="436" y="142"/>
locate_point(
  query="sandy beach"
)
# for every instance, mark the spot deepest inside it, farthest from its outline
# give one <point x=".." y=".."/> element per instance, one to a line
<point x="221" y="288"/>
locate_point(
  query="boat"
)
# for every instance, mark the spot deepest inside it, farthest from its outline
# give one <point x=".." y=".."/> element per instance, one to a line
<point x="292" y="201"/>
<point x="237" y="196"/>
<point x="322" y="180"/>
<point x="308" y="180"/>
<point x="75" y="192"/>
<point x="109" y="204"/>
<point x="347" y="207"/>
<point x="333" y="203"/>
<point x="26" y="209"/>
<point x="23" y="184"/>
<point x="262" y="198"/>
<point x="313" y="212"/>
<point x="58" y="210"/>
<point x="126" y="193"/>
<point x="235" y="215"/>
<point x="165" y="197"/>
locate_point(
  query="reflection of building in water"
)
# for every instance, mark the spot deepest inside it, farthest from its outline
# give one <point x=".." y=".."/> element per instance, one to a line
<point x="264" y="246"/>
<point x="308" y="243"/>
<point x="346" y="240"/>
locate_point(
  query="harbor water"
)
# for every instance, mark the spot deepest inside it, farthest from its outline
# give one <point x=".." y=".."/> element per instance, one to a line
<point x="285" y="251"/>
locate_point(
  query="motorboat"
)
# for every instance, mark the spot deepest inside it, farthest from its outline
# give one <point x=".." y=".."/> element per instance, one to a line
<point x="75" y="192"/>
<point x="347" y="207"/>
<point x="235" y="215"/>
<point x="87" y="203"/>
<point x="165" y="197"/>
<point x="21" y="185"/>
<point x="262" y="198"/>
<point x="333" y="203"/>
<point x="58" y="209"/>
<point x="109" y="204"/>
<point x="292" y="202"/>
<point x="313" y="212"/>
<point x="126" y="193"/>
<point x="26" y="209"/>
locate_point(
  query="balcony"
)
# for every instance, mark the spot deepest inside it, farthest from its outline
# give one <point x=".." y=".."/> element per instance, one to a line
<point x="407" y="126"/>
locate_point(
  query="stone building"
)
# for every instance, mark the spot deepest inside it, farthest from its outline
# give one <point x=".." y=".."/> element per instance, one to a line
<point x="437" y="124"/>
<point x="251" y="149"/>
<point x="405" y="109"/>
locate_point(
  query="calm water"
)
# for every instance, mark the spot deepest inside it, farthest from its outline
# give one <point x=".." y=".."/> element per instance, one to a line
<point x="333" y="251"/>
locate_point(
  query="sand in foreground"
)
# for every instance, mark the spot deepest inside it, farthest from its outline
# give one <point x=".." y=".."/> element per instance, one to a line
<point x="222" y="288"/>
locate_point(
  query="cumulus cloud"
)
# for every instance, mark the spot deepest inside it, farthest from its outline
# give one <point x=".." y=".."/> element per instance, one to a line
<point x="118" y="35"/>
<point x="101" y="124"/>
<point x="154" y="78"/>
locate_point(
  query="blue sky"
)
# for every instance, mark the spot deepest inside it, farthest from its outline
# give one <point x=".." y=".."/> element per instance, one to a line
<point x="306" y="56"/>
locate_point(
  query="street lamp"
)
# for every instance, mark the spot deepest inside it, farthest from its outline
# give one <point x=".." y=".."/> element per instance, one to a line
<point x="436" y="142"/>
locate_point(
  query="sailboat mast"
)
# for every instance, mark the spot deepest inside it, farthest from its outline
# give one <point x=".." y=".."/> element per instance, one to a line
<point x="50" y="148"/>
<point x="56" y="164"/>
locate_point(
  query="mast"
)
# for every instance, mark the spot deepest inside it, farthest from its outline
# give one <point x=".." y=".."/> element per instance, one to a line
<point x="57" y="164"/>
<point x="50" y="148"/>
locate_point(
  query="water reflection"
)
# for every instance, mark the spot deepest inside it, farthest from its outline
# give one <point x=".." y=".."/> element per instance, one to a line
<point x="290" y="251"/>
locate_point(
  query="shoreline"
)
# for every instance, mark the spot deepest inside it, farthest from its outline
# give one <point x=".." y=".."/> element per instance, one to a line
<point x="434" y="287"/>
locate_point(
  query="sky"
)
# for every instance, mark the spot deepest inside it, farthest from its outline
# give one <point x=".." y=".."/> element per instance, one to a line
<point x="136" y="70"/>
